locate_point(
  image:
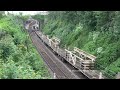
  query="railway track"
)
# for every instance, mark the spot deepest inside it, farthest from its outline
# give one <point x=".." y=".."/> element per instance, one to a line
<point x="56" y="67"/>
<point x="76" y="74"/>
<point x="64" y="69"/>
<point x="59" y="73"/>
<point x="48" y="60"/>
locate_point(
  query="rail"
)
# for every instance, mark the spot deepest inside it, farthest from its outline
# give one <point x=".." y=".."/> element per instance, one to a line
<point x="86" y="60"/>
<point x="59" y="74"/>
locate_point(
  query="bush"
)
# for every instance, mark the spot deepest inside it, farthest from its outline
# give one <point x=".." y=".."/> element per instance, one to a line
<point x="18" y="58"/>
<point x="96" y="32"/>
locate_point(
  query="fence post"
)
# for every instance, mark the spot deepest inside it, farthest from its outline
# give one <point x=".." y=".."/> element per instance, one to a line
<point x="54" y="76"/>
<point x="100" y="75"/>
<point x="118" y="75"/>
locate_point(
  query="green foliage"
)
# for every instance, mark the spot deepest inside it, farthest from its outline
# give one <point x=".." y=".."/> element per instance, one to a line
<point x="6" y="49"/>
<point x="24" y="71"/>
<point x="113" y="69"/>
<point x="96" y="32"/>
<point x="18" y="57"/>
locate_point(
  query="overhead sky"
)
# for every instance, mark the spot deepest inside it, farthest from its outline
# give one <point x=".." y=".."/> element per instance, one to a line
<point x="27" y="12"/>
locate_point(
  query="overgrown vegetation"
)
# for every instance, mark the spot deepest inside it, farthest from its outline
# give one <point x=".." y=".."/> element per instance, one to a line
<point x="18" y="57"/>
<point x="96" y="32"/>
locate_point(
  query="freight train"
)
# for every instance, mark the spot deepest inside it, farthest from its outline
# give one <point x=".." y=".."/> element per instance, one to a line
<point x="77" y="58"/>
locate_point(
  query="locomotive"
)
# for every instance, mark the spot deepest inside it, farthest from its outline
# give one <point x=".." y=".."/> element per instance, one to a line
<point x="32" y="24"/>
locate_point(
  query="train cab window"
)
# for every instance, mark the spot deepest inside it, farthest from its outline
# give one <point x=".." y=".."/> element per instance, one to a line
<point x="33" y="27"/>
<point x="37" y="27"/>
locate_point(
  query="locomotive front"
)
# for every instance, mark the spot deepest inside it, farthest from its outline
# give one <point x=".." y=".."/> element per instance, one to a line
<point x="32" y="24"/>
